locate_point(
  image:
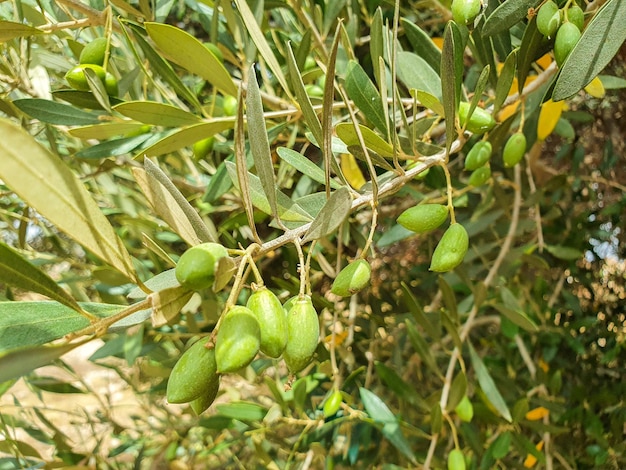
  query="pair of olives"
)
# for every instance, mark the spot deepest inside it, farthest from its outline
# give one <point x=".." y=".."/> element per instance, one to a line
<point x="92" y="57"/>
<point x="566" y="23"/>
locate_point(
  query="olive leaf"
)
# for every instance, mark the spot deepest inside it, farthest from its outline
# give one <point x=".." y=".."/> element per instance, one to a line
<point x="416" y="73"/>
<point x="366" y="97"/>
<point x="10" y="30"/>
<point x="331" y="216"/>
<point x="45" y="182"/>
<point x="105" y="130"/>
<point x="185" y="50"/>
<point x="55" y="113"/>
<point x="167" y="303"/>
<point x="157" y="114"/>
<point x="506" y="15"/>
<point x="347" y="133"/>
<point x="422" y="44"/>
<point x="487" y="385"/>
<point x="16" y="271"/>
<point x="304" y="166"/>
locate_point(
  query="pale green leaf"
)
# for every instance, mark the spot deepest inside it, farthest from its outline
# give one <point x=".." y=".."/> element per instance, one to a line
<point x="305" y="166"/>
<point x="106" y="130"/>
<point x="416" y="73"/>
<point x="564" y="252"/>
<point x="16" y="271"/>
<point x="448" y="83"/>
<point x="457" y="390"/>
<point x="167" y="303"/>
<point x="261" y="43"/>
<point x="47" y="184"/>
<point x="161" y="281"/>
<point x="187" y="136"/>
<point x="599" y="43"/>
<point x="113" y="147"/>
<point x="242" y="411"/>
<point x="37" y="323"/>
<point x="366" y="97"/>
<point x="422" y="44"/>
<point x="347" y="133"/>
<point x="488" y="386"/>
<point x="157" y="114"/>
<point x="185" y="50"/>
<point x="377" y="43"/>
<point x="55" y="113"/>
<point x="505" y="80"/>
<point x="428" y="100"/>
<point x="10" y="30"/>
<point x="331" y="216"/>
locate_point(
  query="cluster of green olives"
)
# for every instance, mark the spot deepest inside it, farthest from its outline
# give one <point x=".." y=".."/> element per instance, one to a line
<point x="92" y="57"/>
<point x="566" y="23"/>
<point x="263" y="325"/>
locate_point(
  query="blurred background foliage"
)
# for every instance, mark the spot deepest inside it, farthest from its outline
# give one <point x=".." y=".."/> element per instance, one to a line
<point x="549" y="338"/>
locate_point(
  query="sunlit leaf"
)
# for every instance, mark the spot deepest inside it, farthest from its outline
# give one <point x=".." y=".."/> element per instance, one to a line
<point x="422" y="44"/>
<point x="429" y="100"/>
<point x="304" y="166"/>
<point x="595" y="88"/>
<point x="347" y="133"/>
<point x="331" y="216"/>
<point x="599" y="43"/>
<point x="242" y="411"/>
<point x="16" y="271"/>
<point x="10" y="30"/>
<point x="167" y="303"/>
<point x="157" y="114"/>
<point x="185" y="50"/>
<point x="351" y="171"/>
<point x="416" y="73"/>
<point x="549" y="116"/>
<point x="44" y="181"/>
<point x="106" y="130"/>
<point x="488" y="386"/>
<point x="366" y="97"/>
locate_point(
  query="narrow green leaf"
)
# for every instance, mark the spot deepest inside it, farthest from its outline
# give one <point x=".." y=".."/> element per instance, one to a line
<point x="416" y="73"/>
<point x="422" y="44"/>
<point x="418" y="314"/>
<point x="55" y="113"/>
<point x="10" y="30"/>
<point x="289" y="211"/>
<point x="187" y="136"/>
<point x="112" y="148"/>
<point x="185" y="50"/>
<point x="304" y="166"/>
<point x="253" y="28"/>
<point x="533" y="43"/>
<point x="400" y="387"/>
<point x="430" y="101"/>
<point x="347" y="133"/>
<point x="19" y="362"/>
<point x="377" y="43"/>
<point x="334" y="212"/>
<point x="449" y="299"/>
<point x="16" y="271"/>
<point x="513" y="311"/>
<point x="259" y="143"/>
<point x="161" y="281"/>
<point x="37" y="323"/>
<point x="448" y="84"/>
<point x="309" y="114"/>
<point x="487" y="385"/>
<point x="421" y="348"/>
<point x="507" y="15"/>
<point x="105" y="130"/>
<point x="96" y="86"/>
<point x="564" y="252"/>
<point x="457" y="391"/>
<point x="505" y="80"/>
<point x="202" y="232"/>
<point x="45" y="182"/>
<point x="157" y="114"/>
<point x="366" y="97"/>
<point x="599" y="43"/>
<point x="242" y="411"/>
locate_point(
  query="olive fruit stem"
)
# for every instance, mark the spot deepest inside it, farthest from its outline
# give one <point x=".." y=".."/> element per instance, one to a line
<point x="301" y="267"/>
<point x="373" y="226"/>
<point x="449" y="191"/>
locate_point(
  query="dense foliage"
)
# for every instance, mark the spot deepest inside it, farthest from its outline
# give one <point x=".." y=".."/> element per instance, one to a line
<point x="434" y="199"/>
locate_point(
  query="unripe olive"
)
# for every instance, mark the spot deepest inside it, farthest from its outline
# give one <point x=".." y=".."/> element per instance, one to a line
<point x="514" y="149"/>
<point x="451" y="249"/>
<point x="424" y="217"/>
<point x="479" y="154"/>
<point x="229" y="105"/>
<point x="480" y="176"/>
<point x="456" y="460"/>
<point x="215" y="50"/>
<point x="270" y="314"/>
<point x="464" y="11"/>
<point x="352" y="278"/>
<point x="193" y="374"/>
<point x="314" y="91"/>
<point x="288" y="305"/>
<point x="548" y="18"/>
<point x="464" y="409"/>
<point x="566" y="38"/>
<point x="480" y="121"/>
<point x="303" y="335"/>
<point x="576" y="15"/>
<point x="206" y="399"/>
<point x="203" y="147"/>
<point x="77" y="79"/>
<point x="110" y="84"/>
<point x="238" y="340"/>
<point x="93" y="52"/>
<point x="309" y="63"/>
<point x="196" y="267"/>
<point x="332" y="403"/>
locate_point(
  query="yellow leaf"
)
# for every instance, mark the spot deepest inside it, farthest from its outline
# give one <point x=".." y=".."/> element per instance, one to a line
<point x="544" y="61"/>
<point x="548" y="117"/>
<point x="351" y="171"/>
<point x="531" y="460"/>
<point x="438" y="42"/>
<point x="508" y="111"/>
<point x="537" y="413"/>
<point x="595" y="88"/>
<point x="340" y="337"/>
<point x="544" y="365"/>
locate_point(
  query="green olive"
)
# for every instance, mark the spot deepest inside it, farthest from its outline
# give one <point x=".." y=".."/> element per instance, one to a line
<point x="548" y="18"/>
<point x="514" y="149"/>
<point x="229" y="105"/>
<point x="270" y="314"/>
<point x="576" y="15"/>
<point x="456" y="460"/>
<point x="203" y="147"/>
<point x="480" y="176"/>
<point x="464" y="409"/>
<point x="451" y="249"/>
<point x="464" y="11"/>
<point x="196" y="267"/>
<point x="566" y="38"/>
<point x="423" y="218"/>
<point x="479" y="122"/>
<point x="193" y="374"/>
<point x="77" y="79"/>
<point x="332" y="403"/>
<point x="206" y="399"/>
<point x="110" y="84"/>
<point x="238" y="340"/>
<point x="353" y="278"/>
<point x="215" y="51"/>
<point x="303" y="331"/>
<point x="479" y="155"/>
<point x="93" y="52"/>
